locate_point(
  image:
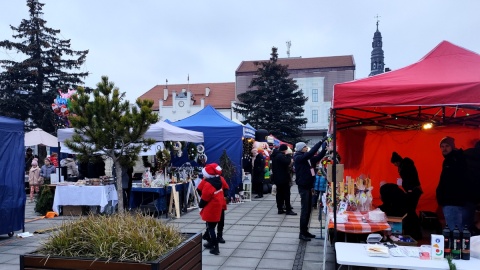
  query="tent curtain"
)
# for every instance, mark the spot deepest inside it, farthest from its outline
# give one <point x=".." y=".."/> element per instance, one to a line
<point x="368" y="152"/>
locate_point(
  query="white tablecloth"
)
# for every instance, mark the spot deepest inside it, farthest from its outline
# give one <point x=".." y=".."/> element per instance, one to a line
<point x="84" y="195"/>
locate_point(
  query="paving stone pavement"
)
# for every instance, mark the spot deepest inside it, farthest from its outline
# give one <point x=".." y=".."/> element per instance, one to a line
<point x="257" y="237"/>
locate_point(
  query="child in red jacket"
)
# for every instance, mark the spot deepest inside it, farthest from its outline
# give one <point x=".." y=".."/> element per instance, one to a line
<point x="211" y="203"/>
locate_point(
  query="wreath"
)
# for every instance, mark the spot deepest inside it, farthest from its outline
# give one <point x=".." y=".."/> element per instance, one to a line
<point x="202" y="159"/>
<point x="163" y="158"/>
<point x="191" y="151"/>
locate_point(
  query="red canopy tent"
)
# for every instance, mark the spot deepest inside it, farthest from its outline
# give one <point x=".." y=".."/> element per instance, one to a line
<point x="375" y="116"/>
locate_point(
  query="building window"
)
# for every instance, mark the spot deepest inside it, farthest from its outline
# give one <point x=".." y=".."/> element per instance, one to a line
<point x="314" y="116"/>
<point x="314" y="95"/>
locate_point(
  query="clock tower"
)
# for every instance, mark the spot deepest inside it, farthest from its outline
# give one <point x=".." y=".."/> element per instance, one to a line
<point x="377" y="65"/>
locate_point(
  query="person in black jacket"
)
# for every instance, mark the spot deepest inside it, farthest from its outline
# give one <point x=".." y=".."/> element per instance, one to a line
<point x="281" y="177"/>
<point x="258" y="172"/>
<point x="454" y="194"/>
<point x="304" y="162"/>
<point x="411" y="186"/>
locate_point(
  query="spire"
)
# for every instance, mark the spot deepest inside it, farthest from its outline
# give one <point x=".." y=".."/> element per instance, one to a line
<point x="377" y="65"/>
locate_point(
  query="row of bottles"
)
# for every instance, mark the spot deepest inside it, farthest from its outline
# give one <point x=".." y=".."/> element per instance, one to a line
<point x="457" y="244"/>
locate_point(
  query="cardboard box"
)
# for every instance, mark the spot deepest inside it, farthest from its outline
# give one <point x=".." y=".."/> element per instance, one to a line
<point x="396" y="224"/>
<point x="72" y="210"/>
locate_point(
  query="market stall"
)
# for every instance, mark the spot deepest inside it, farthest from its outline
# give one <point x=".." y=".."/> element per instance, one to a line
<point x="375" y="116"/>
<point x="12" y="188"/>
<point x="220" y="134"/>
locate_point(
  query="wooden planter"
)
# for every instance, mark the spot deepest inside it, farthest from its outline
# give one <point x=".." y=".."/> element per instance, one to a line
<point x="188" y="255"/>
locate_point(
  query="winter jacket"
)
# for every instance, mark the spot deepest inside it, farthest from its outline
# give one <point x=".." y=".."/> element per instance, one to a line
<point x="34" y="176"/>
<point x="408" y="173"/>
<point x="304" y="165"/>
<point x="320" y="183"/>
<point x="281" y="169"/>
<point x="71" y="166"/>
<point x="258" y="174"/>
<point x="453" y="186"/>
<point x="45" y="171"/>
<point x="212" y="199"/>
<point x="225" y="188"/>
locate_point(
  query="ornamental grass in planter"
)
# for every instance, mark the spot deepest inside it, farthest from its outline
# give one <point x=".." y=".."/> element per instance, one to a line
<point x="121" y="239"/>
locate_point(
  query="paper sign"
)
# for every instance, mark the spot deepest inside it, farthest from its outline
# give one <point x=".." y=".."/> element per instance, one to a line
<point x="339" y="174"/>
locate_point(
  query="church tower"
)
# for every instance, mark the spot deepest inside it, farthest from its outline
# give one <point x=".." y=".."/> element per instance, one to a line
<point x="377" y="65"/>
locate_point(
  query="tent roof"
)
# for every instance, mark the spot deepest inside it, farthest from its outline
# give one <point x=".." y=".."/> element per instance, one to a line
<point x="163" y="131"/>
<point x="442" y="88"/>
<point x="40" y="137"/>
<point x="207" y="117"/>
<point x="10" y="124"/>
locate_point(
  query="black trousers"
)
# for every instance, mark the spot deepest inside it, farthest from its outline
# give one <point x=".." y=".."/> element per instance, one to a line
<point x="257" y="186"/>
<point x="283" y="196"/>
<point x="305" y="209"/>
<point x="221" y="223"/>
<point x="211" y="231"/>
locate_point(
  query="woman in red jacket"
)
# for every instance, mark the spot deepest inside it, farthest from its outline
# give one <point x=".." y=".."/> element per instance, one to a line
<point x="212" y="202"/>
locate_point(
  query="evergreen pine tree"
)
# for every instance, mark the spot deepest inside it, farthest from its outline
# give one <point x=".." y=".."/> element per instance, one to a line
<point x="273" y="101"/>
<point x="109" y="125"/>
<point x="29" y="86"/>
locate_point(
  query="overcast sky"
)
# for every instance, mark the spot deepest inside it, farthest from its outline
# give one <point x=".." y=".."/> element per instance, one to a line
<point x="141" y="43"/>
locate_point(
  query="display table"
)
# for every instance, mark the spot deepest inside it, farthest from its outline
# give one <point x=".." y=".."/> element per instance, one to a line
<point x="356" y="225"/>
<point x="353" y="254"/>
<point x="84" y="195"/>
<point x="160" y="196"/>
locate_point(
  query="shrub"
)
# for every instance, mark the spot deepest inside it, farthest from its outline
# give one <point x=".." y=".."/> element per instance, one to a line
<point x="121" y="237"/>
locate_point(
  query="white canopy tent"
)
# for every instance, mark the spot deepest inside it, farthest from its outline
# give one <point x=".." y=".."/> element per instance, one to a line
<point x="40" y="137"/>
<point x="160" y="131"/>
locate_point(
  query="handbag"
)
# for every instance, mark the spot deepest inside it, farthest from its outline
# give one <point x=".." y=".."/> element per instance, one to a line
<point x="274" y="190"/>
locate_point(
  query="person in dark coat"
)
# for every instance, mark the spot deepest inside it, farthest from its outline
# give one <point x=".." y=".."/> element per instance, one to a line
<point x="258" y="173"/>
<point x="281" y="177"/>
<point x="411" y="186"/>
<point x="454" y="194"/>
<point x="394" y="200"/>
<point x="304" y="162"/>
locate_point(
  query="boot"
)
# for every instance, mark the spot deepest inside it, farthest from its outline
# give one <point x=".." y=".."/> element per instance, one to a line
<point x="215" y="250"/>
<point x="209" y="245"/>
<point x="220" y="238"/>
<point x="206" y="236"/>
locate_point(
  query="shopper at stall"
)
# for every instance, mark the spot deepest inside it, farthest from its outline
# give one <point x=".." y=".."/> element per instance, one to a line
<point x="411" y="186"/>
<point x="453" y="193"/>
<point x="258" y="173"/>
<point x="281" y="176"/>
<point x="304" y="162"/>
<point x="46" y="170"/>
<point x="211" y="203"/>
<point x="54" y="159"/>
<point x="34" y="179"/>
<point x="28" y="159"/>
<point x="72" y="170"/>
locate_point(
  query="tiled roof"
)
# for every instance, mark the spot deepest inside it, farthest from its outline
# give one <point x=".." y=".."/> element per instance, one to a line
<point x="220" y="97"/>
<point x="302" y="63"/>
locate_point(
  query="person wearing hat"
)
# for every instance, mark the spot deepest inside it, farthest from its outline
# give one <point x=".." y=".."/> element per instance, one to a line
<point x="28" y="159"/>
<point x="258" y="172"/>
<point x="211" y="203"/>
<point x="281" y="176"/>
<point x="225" y="187"/>
<point x="454" y="194"/>
<point x="34" y="179"/>
<point x="304" y="162"/>
<point x="411" y="186"/>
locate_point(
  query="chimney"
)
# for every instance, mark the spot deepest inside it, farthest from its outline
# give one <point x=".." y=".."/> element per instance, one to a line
<point x="165" y="94"/>
<point x="207" y="91"/>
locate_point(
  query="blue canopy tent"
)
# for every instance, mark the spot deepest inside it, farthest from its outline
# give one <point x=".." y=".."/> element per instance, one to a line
<point x="12" y="175"/>
<point x="220" y="133"/>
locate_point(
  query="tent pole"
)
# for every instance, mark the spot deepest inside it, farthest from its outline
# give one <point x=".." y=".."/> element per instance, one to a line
<point x="59" y="167"/>
<point x="334" y="175"/>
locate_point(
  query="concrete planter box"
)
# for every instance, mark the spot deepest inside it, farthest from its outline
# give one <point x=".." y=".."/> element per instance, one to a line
<point x="188" y="255"/>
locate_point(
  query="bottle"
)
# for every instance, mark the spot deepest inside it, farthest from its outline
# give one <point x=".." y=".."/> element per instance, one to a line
<point x="466" y="244"/>
<point x="447" y="235"/>
<point x="457" y="244"/>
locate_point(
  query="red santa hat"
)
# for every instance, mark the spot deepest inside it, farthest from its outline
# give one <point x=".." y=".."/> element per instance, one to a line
<point x="211" y="170"/>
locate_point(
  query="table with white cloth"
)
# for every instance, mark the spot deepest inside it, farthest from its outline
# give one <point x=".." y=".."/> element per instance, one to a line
<point x="354" y="254"/>
<point x="84" y="195"/>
